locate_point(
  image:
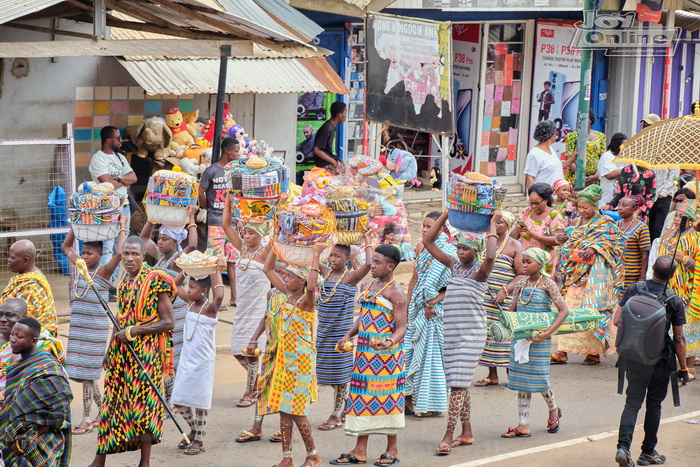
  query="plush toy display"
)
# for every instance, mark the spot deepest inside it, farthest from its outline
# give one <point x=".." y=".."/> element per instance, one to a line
<point x="208" y="130"/>
<point x="153" y="136"/>
<point x="237" y="131"/>
<point x="436" y="178"/>
<point x="402" y="164"/>
<point x="193" y="166"/>
<point x="315" y="181"/>
<point x="183" y="133"/>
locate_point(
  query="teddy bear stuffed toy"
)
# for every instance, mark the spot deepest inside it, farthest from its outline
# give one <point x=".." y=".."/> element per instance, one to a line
<point x="153" y="136"/>
<point x="402" y="164"/>
<point x="183" y="133"/>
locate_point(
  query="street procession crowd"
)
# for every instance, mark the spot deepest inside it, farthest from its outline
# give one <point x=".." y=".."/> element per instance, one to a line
<point x="629" y="232"/>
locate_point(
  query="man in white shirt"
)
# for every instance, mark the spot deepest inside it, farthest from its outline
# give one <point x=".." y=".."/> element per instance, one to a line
<point x="665" y="188"/>
<point x="608" y="172"/>
<point x="108" y="165"/>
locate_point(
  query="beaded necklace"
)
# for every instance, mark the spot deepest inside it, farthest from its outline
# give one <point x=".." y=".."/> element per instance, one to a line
<point x="335" y="287"/>
<point x="529" y="298"/>
<point x="162" y="263"/>
<point x="87" y="286"/>
<point x="459" y="268"/>
<point x="250" y="258"/>
<point x="291" y="308"/>
<point x="189" y="308"/>
<point x="366" y="294"/>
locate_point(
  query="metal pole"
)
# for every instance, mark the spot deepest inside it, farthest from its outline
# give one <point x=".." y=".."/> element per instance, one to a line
<point x="665" y="110"/>
<point x="220" y="94"/>
<point x="583" y="106"/>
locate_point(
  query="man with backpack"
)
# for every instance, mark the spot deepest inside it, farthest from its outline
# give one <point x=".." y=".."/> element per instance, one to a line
<point x="646" y="312"/>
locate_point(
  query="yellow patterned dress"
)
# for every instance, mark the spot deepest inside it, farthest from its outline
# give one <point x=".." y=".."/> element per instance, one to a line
<point x="131" y="407"/>
<point x="36" y="291"/>
<point x="593" y="151"/>
<point x="293" y="386"/>
<point x="273" y="326"/>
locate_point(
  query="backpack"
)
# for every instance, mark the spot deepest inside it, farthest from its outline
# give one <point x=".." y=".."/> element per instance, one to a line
<point x="641" y="334"/>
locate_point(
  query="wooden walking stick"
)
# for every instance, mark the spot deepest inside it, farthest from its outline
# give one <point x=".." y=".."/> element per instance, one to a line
<point x="83" y="270"/>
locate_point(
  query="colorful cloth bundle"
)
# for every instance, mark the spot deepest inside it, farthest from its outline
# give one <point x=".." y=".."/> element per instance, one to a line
<point x="471" y="192"/>
<point x="95" y="203"/>
<point x="523" y="325"/>
<point x="257" y="177"/>
<point x="253" y="209"/>
<point x="351" y="214"/>
<point x="306" y="221"/>
<point x="171" y="188"/>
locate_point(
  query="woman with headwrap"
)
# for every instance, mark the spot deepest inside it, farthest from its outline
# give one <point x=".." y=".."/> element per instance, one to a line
<point x="592" y="276"/>
<point x="542" y="164"/>
<point x="252" y="286"/>
<point x="426" y="390"/>
<point x="165" y="252"/>
<point x="529" y="359"/>
<point x="464" y="320"/>
<point x="507" y="271"/>
<point x="636" y="237"/>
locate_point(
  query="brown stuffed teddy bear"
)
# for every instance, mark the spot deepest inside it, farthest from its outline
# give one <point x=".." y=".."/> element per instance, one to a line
<point x="153" y="135"/>
<point x="183" y="132"/>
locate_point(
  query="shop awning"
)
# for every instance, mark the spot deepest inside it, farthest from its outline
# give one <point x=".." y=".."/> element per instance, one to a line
<point x="356" y="8"/>
<point x="13" y="9"/>
<point x="261" y="76"/>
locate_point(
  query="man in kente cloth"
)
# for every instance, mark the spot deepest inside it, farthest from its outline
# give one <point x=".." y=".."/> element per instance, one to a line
<point x="30" y="284"/>
<point x="35" y="418"/>
<point x="132" y="415"/>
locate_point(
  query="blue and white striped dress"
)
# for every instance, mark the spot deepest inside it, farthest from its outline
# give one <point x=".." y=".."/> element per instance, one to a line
<point x="423" y="344"/>
<point x="335" y="318"/>
<point x="89" y="331"/>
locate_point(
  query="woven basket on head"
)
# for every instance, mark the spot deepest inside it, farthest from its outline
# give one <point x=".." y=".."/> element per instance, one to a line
<point x="299" y="255"/>
<point x="474" y="194"/>
<point x="95" y="232"/>
<point x="172" y="216"/>
<point x="171" y="188"/>
<point x="306" y="224"/>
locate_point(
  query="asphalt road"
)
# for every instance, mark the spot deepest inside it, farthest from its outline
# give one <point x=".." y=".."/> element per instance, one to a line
<point x="587" y="396"/>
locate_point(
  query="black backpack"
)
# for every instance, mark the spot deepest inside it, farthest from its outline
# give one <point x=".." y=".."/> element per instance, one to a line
<point x="642" y="333"/>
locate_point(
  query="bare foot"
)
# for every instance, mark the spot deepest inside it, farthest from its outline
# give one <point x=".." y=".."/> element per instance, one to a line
<point x="332" y="423"/>
<point x="286" y="462"/>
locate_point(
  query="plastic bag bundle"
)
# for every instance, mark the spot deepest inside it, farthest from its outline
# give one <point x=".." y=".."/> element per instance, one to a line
<point x="305" y="221"/>
<point x="95" y="203"/>
<point x="171" y="188"/>
<point x="257" y="177"/>
<point x="352" y="219"/>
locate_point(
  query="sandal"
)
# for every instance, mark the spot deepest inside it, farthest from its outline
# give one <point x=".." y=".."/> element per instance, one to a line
<point x="513" y="433"/>
<point x="276" y="438"/>
<point x="485" y="382"/>
<point x="591" y="360"/>
<point x="552" y="421"/>
<point x="347" y="457"/>
<point x="232" y="303"/>
<point x="386" y="457"/>
<point x="247" y="437"/>
<point x="193" y="450"/>
<point x="443" y="449"/>
<point x="429" y="414"/>
<point x="183" y="444"/>
<point x="244" y="402"/>
<point x="461" y="442"/>
<point x="83" y="428"/>
<point x="329" y="426"/>
<point x="559" y="358"/>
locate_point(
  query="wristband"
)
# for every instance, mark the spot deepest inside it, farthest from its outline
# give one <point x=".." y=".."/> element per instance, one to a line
<point x="129" y="337"/>
<point x="315" y="269"/>
<point x="123" y="230"/>
<point x="191" y="225"/>
<point x="492" y="235"/>
<point x="390" y="339"/>
<point x="219" y="285"/>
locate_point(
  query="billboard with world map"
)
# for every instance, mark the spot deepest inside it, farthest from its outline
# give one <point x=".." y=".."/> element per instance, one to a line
<point x="408" y="77"/>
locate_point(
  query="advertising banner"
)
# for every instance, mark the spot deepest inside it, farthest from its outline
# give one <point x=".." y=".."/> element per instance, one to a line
<point x="465" y="74"/>
<point x="313" y="109"/>
<point x="408" y="73"/>
<point x="556" y="79"/>
<point x="504" y="5"/>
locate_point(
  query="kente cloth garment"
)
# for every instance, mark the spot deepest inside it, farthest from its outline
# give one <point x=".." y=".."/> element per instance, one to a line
<point x="180" y="312"/>
<point x="131" y="406"/>
<point x="194" y="380"/>
<point x="691" y="329"/>
<point x="46" y="343"/>
<point x="336" y="311"/>
<point x="273" y="327"/>
<point x="636" y="240"/>
<point x="293" y="386"/>
<point x="464" y="319"/>
<point x="597" y="286"/>
<point x="593" y="151"/>
<point x="689" y="245"/>
<point x="496" y="353"/>
<point x="634" y="182"/>
<point x="376" y="397"/>
<point x="36" y="291"/>
<point x="252" y="286"/>
<point x="551" y="223"/>
<point x="37" y="395"/>
<point x="89" y="330"/>
<point x="423" y="343"/>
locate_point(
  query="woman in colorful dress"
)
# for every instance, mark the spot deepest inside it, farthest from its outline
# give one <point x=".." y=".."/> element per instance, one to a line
<point x="336" y="312"/>
<point x="426" y="390"/>
<point x="534" y="294"/>
<point x="166" y="253"/>
<point x="464" y="320"/>
<point x="592" y="276"/>
<point x="89" y="325"/>
<point x="637" y="241"/>
<point x="594" y="148"/>
<point x="691" y="329"/>
<point x="293" y="384"/>
<point x="539" y="224"/>
<point x="507" y="271"/>
<point x="634" y="181"/>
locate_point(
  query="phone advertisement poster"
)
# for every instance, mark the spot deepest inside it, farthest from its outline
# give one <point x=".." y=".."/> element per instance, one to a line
<point x="556" y="79"/>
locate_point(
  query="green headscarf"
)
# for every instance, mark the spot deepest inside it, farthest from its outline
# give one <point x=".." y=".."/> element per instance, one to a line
<point x="541" y="256"/>
<point x="468" y="240"/>
<point x="260" y="228"/>
<point x="687" y="208"/>
<point x="591" y="194"/>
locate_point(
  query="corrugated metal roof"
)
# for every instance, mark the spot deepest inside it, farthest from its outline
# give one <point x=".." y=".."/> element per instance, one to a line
<point x="249" y="10"/>
<point x="262" y="76"/>
<point x="292" y="17"/>
<point x="13" y="9"/>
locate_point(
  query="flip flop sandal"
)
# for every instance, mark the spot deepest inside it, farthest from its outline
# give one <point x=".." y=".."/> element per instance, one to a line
<point x="276" y="438"/>
<point x="233" y="304"/>
<point x="552" y="421"/>
<point x="590" y="361"/>
<point x="244" y="403"/>
<point x="559" y="358"/>
<point x="485" y="382"/>
<point x="83" y="428"/>
<point x="247" y="437"/>
<point x="183" y="444"/>
<point x="386" y="457"/>
<point x="515" y="434"/>
<point x="443" y="450"/>
<point x="349" y="458"/>
<point x="430" y="414"/>
<point x="329" y="426"/>
<point x="192" y="451"/>
<point x="460" y="442"/>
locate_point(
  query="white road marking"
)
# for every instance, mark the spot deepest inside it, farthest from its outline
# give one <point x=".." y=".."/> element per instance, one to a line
<point x="563" y="444"/>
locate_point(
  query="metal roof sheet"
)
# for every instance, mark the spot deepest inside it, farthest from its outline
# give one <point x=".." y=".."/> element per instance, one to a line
<point x="13" y="9"/>
<point x="262" y="76"/>
<point x="292" y="17"/>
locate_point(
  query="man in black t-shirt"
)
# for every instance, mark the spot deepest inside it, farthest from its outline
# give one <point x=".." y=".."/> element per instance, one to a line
<point x="651" y="382"/>
<point x="325" y="136"/>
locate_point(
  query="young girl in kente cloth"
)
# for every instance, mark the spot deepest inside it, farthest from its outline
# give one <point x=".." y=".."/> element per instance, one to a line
<point x="336" y="308"/>
<point x="194" y="381"/>
<point x="534" y="294"/>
